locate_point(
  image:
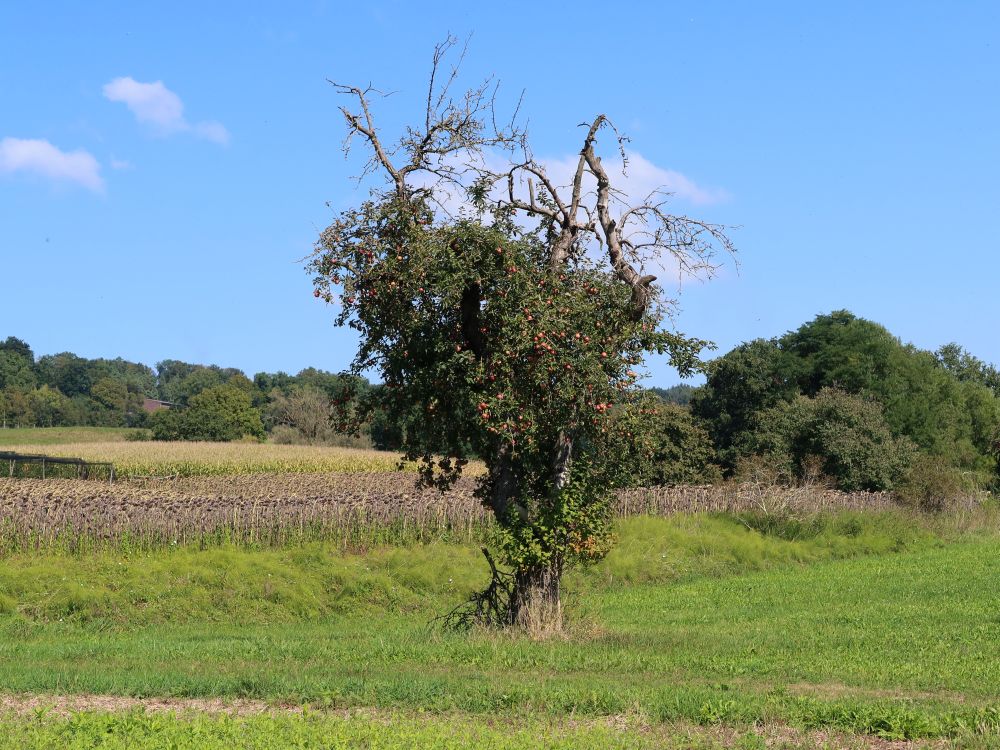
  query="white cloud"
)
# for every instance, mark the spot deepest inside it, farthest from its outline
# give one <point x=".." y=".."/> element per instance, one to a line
<point x="120" y="163"/>
<point x="213" y="131"/>
<point x="40" y="157"/>
<point x="157" y="106"/>
<point x="637" y="179"/>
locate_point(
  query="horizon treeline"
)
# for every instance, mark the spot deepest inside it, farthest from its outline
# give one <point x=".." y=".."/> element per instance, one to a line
<point x="61" y="390"/>
<point x="840" y="400"/>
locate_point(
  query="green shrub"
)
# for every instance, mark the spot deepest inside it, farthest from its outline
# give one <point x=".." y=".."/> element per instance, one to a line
<point x="222" y="413"/>
<point x="932" y="485"/>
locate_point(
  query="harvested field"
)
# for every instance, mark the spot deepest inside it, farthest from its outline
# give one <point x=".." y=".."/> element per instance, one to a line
<point x="354" y="509"/>
<point x="250" y="509"/>
<point x="731" y="498"/>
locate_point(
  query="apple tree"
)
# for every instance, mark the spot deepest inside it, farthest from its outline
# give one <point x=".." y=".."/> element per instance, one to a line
<point x="511" y="332"/>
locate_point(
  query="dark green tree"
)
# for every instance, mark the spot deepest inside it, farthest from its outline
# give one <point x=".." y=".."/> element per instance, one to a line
<point x="219" y="413"/>
<point x="753" y="377"/>
<point x="14" y="345"/>
<point x="668" y="446"/>
<point x="940" y="404"/>
<point x="16" y="371"/>
<point x="845" y="435"/>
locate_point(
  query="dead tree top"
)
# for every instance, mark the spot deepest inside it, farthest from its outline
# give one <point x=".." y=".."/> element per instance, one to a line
<point x="450" y="147"/>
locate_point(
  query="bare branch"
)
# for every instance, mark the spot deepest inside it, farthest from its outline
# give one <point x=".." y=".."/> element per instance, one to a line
<point x="451" y="151"/>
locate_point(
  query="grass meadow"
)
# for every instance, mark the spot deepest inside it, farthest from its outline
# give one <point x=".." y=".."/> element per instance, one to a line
<point x="869" y="625"/>
<point x="15" y="438"/>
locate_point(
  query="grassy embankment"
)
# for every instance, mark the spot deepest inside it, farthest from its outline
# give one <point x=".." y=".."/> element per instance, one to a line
<point x="881" y="624"/>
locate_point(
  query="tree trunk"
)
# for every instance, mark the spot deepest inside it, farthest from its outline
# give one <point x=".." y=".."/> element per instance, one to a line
<point x="535" y="605"/>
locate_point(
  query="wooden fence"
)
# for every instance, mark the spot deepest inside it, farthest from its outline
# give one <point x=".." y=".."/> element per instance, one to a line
<point x="27" y="465"/>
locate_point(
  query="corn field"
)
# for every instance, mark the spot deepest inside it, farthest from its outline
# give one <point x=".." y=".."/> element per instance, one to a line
<point x="194" y="459"/>
<point x="352" y="510"/>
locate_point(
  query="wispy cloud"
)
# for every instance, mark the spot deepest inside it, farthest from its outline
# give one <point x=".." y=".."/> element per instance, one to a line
<point x="636" y="181"/>
<point x="38" y="156"/>
<point x="638" y="178"/>
<point x="155" y="105"/>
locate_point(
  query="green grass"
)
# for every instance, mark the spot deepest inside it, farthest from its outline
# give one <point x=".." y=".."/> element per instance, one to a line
<point x="385" y="731"/>
<point x="316" y="580"/>
<point x="872" y="624"/>
<point x="15" y="436"/>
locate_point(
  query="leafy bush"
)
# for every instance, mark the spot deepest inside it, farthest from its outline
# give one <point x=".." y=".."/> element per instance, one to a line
<point x="835" y="434"/>
<point x="932" y="485"/>
<point x="668" y="446"/>
<point x="221" y="413"/>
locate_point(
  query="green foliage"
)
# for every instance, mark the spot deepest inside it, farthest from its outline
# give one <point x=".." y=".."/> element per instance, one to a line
<point x="487" y="350"/>
<point x="941" y="404"/>
<point x="679" y="394"/>
<point x="16" y="371"/>
<point x="847" y="435"/>
<point x="967" y="367"/>
<point x="50" y="407"/>
<point x="110" y="392"/>
<point x="18" y="347"/>
<point x="663" y="443"/>
<point x="934" y="486"/>
<point x="221" y="413"/>
<point x="751" y="378"/>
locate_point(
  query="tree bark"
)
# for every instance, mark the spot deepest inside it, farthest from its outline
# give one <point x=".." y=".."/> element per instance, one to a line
<point x="536" y="605"/>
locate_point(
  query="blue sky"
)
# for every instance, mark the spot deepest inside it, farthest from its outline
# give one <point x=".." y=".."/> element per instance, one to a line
<point x="856" y="146"/>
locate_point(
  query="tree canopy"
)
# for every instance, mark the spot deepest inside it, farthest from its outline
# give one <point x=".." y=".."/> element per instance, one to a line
<point x="512" y="332"/>
<point x="942" y="405"/>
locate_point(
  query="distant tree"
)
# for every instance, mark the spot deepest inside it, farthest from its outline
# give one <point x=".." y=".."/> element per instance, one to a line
<point x="180" y="389"/>
<point x="15" y="408"/>
<point x="16" y="346"/>
<point x="847" y="435"/>
<point x="306" y="409"/>
<point x="219" y="413"/>
<point x="66" y="372"/>
<point x="16" y="371"/>
<point x="111" y="394"/>
<point x="679" y="394"/>
<point x="751" y="378"/>
<point x="168" y="372"/>
<point x="920" y="395"/>
<point x="968" y="368"/>
<point x="51" y="408"/>
<point x="267" y="382"/>
<point x="668" y="446"/>
<point x="840" y="350"/>
<point x="136" y="377"/>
